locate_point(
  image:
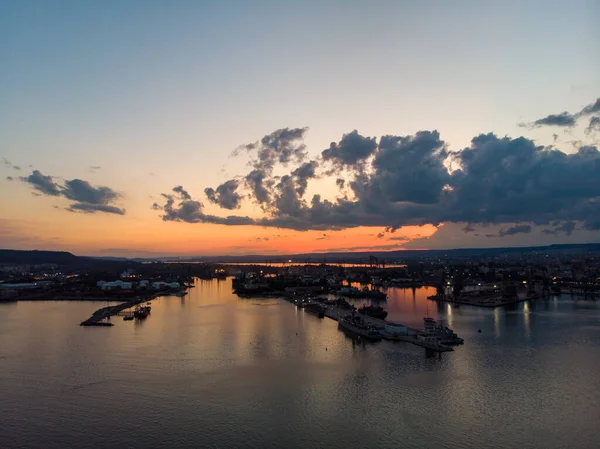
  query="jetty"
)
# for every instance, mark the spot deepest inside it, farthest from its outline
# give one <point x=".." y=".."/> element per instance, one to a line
<point x="99" y="316"/>
<point x="389" y="330"/>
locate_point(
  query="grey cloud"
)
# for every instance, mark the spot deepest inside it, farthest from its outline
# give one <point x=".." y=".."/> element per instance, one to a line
<point x="85" y="197"/>
<point x="411" y="168"/>
<point x="259" y="184"/>
<point x="468" y="228"/>
<point x="182" y="192"/>
<point x="83" y="192"/>
<point x="353" y="149"/>
<point x="405" y="182"/>
<point x="567" y="228"/>
<point x="41" y="183"/>
<point x="563" y="119"/>
<point x="9" y="178"/>
<point x="594" y="125"/>
<point x="517" y="229"/>
<point x="91" y="208"/>
<point x="16" y="167"/>
<point x="225" y="195"/>
<point x="566" y="119"/>
<point x="6" y="163"/>
<point x="591" y="108"/>
<point x="94" y="168"/>
<point x="303" y="173"/>
<point x="180" y="207"/>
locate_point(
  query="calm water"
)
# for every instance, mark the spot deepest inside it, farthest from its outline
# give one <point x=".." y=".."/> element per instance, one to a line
<point x="212" y="370"/>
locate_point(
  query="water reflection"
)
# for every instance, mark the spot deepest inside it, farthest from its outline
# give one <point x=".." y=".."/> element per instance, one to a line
<point x="526" y="318"/>
<point x="228" y="372"/>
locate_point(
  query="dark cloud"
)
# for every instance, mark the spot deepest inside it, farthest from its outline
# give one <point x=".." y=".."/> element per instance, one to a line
<point x="410" y="168"/>
<point x="85" y="197"/>
<point x="563" y="119"/>
<point x="280" y="147"/>
<point x="303" y="173"/>
<point x="517" y="229"/>
<point x="9" y="178"/>
<point x="179" y="206"/>
<point x="225" y="195"/>
<point x="182" y="193"/>
<point x="352" y="150"/>
<point x="592" y="108"/>
<point x="567" y="228"/>
<point x="405" y="180"/>
<point x="16" y="167"/>
<point x="594" y="125"/>
<point x="41" y="183"/>
<point x="83" y="192"/>
<point x="91" y="208"/>
<point x="259" y="184"/>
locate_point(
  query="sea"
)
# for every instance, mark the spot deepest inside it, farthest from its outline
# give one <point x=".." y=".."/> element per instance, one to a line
<point x="212" y="370"/>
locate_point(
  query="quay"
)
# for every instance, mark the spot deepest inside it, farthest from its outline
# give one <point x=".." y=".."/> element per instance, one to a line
<point x="106" y="312"/>
<point x="411" y="335"/>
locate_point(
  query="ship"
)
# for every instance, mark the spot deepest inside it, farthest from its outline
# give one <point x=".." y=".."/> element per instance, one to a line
<point x="315" y="309"/>
<point x="356" y="325"/>
<point x="141" y="312"/>
<point x="442" y="334"/>
<point x="373" y="311"/>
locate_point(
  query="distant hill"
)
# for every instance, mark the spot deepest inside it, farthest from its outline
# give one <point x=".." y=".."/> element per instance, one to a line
<point x="11" y="256"/>
<point x="389" y="255"/>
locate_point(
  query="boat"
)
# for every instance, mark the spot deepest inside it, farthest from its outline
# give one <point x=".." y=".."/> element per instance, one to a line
<point x="443" y="334"/>
<point x="373" y="311"/>
<point x="343" y="304"/>
<point x="356" y="325"/>
<point x="128" y="318"/>
<point x="315" y="309"/>
<point x="141" y="312"/>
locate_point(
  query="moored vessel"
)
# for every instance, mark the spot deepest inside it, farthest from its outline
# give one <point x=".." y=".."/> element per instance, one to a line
<point x="356" y="325"/>
<point x="373" y="311"/>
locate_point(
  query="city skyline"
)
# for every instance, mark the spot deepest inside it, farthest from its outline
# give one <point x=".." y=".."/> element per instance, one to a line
<point x="208" y="129"/>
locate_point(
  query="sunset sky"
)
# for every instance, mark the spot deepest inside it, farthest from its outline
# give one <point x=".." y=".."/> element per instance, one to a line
<point x="148" y="128"/>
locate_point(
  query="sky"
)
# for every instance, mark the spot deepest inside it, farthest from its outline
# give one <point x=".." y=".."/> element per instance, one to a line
<point x="147" y="128"/>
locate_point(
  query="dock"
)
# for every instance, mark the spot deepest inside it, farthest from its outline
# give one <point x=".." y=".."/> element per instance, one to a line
<point x="98" y="317"/>
<point x="412" y="336"/>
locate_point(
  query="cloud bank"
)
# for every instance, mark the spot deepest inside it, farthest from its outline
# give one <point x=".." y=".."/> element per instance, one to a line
<point x="397" y="181"/>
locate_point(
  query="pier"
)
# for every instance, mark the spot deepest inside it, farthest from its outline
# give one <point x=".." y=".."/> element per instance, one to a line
<point x="98" y="317"/>
<point x="411" y="336"/>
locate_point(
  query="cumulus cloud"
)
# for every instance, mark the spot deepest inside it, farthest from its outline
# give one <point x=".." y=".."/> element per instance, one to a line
<point x="351" y="150"/>
<point x="85" y="197"/>
<point x="565" y="119"/>
<point x="225" y="195"/>
<point x="42" y="183"/>
<point x="405" y="180"/>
